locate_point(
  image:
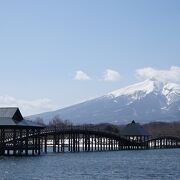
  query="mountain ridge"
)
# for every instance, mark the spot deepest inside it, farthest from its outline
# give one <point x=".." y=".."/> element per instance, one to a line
<point x="146" y="101"/>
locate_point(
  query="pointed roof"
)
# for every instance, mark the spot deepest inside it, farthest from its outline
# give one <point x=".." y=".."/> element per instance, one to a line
<point x="134" y="129"/>
<point x="11" y="116"/>
<point x="11" y="112"/>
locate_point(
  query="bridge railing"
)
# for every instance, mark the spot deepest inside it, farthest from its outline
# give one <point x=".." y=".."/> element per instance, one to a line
<point x="80" y="128"/>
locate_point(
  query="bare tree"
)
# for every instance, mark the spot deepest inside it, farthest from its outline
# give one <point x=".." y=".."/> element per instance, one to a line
<point x="59" y="123"/>
<point x="39" y="121"/>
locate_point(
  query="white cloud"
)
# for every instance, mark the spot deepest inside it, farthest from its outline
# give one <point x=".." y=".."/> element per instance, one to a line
<point x="111" y="75"/>
<point x="81" y="76"/>
<point x="27" y="107"/>
<point x="169" y="75"/>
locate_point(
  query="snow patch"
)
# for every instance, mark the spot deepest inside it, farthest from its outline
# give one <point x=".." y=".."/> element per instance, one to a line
<point x="142" y="88"/>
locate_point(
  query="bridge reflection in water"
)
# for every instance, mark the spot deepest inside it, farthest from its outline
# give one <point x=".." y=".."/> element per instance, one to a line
<point x="21" y="137"/>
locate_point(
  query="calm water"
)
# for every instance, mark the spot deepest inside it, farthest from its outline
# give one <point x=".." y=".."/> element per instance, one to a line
<point x="152" y="164"/>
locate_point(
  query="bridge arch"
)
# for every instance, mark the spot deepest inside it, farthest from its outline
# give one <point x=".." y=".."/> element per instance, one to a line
<point x="76" y="140"/>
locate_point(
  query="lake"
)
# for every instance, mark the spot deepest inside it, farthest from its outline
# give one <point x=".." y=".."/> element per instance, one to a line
<point x="142" y="164"/>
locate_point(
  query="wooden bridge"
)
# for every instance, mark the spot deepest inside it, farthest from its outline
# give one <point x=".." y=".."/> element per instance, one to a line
<point x="89" y="139"/>
<point x="164" y="142"/>
<point x="85" y="139"/>
<point x="78" y="139"/>
<point x="23" y="137"/>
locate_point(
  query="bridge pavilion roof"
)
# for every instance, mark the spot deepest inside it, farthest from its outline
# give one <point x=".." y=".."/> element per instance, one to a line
<point x="134" y="129"/>
<point x="12" y="117"/>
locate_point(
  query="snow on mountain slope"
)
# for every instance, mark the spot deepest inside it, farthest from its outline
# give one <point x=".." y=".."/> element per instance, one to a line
<point x="146" y="87"/>
<point x="172" y="92"/>
<point x="146" y="101"/>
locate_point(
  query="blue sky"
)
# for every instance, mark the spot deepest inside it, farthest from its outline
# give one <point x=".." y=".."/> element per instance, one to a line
<point x="45" y="44"/>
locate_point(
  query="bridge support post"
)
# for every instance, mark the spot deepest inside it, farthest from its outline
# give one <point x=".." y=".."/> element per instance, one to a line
<point x="2" y="145"/>
<point x="89" y="142"/>
<point x="109" y="141"/>
<point x="78" y="143"/>
<point x="26" y="142"/>
<point x="58" y="141"/>
<point x="54" y="143"/>
<point x="33" y="145"/>
<point x="98" y="142"/>
<point x="83" y="149"/>
<point x="85" y="142"/>
<point x="14" y="142"/>
<point x="45" y="144"/>
<point x="69" y="140"/>
<point x="101" y="143"/>
<point x="74" y="142"/>
<point x="106" y="145"/>
<point x="95" y="141"/>
<point x="119" y="145"/>
<point x="61" y="142"/>
<point x="39" y="142"/>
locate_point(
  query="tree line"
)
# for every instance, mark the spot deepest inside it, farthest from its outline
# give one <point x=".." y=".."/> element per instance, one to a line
<point x="155" y="129"/>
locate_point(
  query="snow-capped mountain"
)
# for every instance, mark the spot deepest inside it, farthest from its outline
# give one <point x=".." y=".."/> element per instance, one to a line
<point x="146" y="101"/>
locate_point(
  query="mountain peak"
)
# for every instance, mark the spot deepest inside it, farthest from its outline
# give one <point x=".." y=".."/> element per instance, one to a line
<point x="144" y="87"/>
